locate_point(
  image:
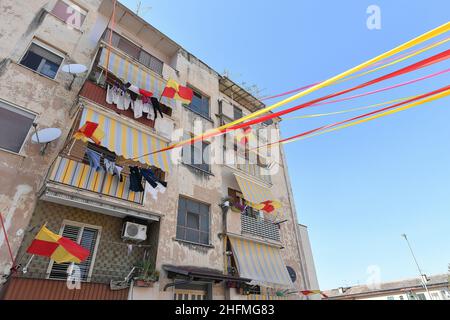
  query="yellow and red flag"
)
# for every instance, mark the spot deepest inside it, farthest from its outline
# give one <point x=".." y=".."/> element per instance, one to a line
<point x="268" y="206"/>
<point x="90" y="130"/>
<point x="245" y="136"/>
<point x="175" y="91"/>
<point x="56" y="247"/>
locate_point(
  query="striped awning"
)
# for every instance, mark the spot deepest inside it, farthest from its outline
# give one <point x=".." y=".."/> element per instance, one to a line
<point x="127" y="141"/>
<point x="124" y="69"/>
<point x="253" y="192"/>
<point x="260" y="262"/>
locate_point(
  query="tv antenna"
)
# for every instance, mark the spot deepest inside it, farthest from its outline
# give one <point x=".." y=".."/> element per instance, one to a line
<point x="140" y="10"/>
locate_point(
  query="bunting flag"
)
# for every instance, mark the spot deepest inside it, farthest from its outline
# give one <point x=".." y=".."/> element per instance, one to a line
<point x="370" y="93"/>
<point x="90" y="130"/>
<point x="308" y="293"/>
<point x="409" y="44"/>
<point x="385" y="63"/>
<point x="175" y="91"/>
<point x="268" y="206"/>
<point x="56" y="247"/>
<point x="418" y="100"/>
<point x="316" y="115"/>
<point x="245" y="136"/>
<point x="215" y="132"/>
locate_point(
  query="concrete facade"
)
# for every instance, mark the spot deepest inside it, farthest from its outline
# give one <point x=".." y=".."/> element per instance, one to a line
<point x="23" y="173"/>
<point x="28" y="194"/>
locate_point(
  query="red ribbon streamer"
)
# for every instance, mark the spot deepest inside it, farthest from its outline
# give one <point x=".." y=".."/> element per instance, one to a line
<point x="413" y="67"/>
<point x="360" y="116"/>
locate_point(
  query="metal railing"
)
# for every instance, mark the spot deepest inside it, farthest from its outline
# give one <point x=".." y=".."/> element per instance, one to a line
<point x="81" y="176"/>
<point x="259" y="227"/>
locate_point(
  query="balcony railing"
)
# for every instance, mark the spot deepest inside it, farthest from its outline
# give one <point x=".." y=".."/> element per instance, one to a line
<point x="259" y="227"/>
<point x="39" y="288"/>
<point x="82" y="176"/>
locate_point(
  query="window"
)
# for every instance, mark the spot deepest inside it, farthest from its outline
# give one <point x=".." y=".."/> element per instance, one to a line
<point x="87" y="237"/>
<point x="41" y="60"/>
<point x="193" y="221"/>
<point x="390" y="298"/>
<point x="15" y="124"/>
<point x="200" y="104"/>
<point x="197" y="155"/>
<point x="69" y="13"/>
<point x="421" y="296"/>
<point x="237" y="113"/>
<point x="435" y="296"/>
<point x="135" y="51"/>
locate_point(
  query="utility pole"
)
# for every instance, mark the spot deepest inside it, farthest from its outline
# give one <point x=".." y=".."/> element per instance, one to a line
<point x="423" y="277"/>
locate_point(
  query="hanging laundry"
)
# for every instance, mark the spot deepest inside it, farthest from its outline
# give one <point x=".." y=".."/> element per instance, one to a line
<point x="135" y="180"/>
<point x="132" y="88"/>
<point x="148" y="109"/>
<point x="110" y="94"/>
<point x="155" y="191"/>
<point x="150" y="177"/>
<point x="109" y="166"/>
<point x="138" y="108"/>
<point x="94" y="159"/>
<point x="156" y="107"/>
<point x="118" y="172"/>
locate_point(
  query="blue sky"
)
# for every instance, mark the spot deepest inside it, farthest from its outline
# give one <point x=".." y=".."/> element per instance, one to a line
<point x="360" y="188"/>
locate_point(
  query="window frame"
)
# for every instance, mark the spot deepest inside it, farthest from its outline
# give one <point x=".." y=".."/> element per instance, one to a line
<point x="36" y="115"/>
<point x="94" y="254"/>
<point x="185" y="225"/>
<point x="205" y="144"/>
<point x="105" y="38"/>
<point x="74" y="6"/>
<point x="45" y="47"/>
<point x="203" y="95"/>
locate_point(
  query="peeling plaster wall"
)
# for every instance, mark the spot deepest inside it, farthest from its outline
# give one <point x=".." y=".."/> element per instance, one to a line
<point x="22" y="174"/>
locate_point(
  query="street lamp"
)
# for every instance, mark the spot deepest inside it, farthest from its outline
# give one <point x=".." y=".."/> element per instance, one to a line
<point x="423" y="277"/>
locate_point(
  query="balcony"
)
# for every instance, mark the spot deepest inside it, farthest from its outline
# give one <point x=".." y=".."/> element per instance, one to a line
<point x="81" y="176"/>
<point x="21" y="288"/>
<point x="259" y="227"/>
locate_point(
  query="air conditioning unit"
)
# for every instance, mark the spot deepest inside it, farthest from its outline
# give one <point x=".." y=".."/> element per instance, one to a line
<point x="134" y="231"/>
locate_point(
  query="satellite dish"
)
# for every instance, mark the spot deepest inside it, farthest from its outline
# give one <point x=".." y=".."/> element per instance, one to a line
<point x="74" y="70"/>
<point x="45" y="136"/>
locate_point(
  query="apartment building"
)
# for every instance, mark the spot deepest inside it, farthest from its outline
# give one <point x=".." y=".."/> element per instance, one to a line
<point x="183" y="239"/>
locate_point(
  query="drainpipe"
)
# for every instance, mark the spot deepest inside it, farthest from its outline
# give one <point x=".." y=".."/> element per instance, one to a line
<point x="301" y="255"/>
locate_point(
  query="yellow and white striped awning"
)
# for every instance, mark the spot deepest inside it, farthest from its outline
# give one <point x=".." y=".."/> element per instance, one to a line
<point x="127" y="141"/>
<point x="260" y="262"/>
<point x="253" y="192"/>
<point x="124" y="69"/>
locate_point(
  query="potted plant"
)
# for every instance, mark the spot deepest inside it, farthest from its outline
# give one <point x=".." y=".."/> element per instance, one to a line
<point x="147" y="276"/>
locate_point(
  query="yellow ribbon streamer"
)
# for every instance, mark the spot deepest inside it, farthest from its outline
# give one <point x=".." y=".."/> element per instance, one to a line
<point x="395" y="61"/>
<point x="420" y="39"/>
<point x="383" y="114"/>
<point x="348" y="110"/>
